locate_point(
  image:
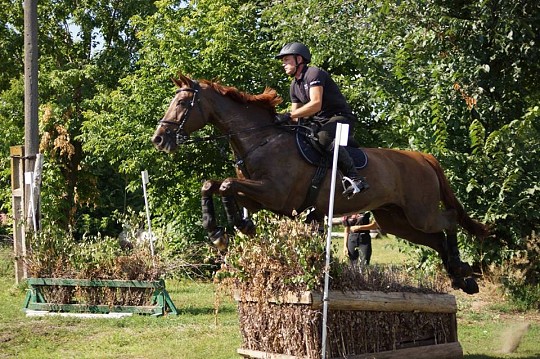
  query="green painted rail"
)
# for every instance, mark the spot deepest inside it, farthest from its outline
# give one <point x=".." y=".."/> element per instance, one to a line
<point x="161" y="302"/>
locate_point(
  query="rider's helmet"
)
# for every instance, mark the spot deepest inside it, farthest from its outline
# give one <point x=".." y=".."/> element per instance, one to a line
<point x="295" y="48"/>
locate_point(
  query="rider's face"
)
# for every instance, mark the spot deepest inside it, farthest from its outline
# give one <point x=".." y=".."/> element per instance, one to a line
<point x="289" y="64"/>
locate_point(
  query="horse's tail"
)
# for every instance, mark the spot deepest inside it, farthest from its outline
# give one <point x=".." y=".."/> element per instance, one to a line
<point x="451" y="202"/>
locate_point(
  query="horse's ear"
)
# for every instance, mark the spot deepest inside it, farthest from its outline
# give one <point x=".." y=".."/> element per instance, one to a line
<point x="176" y="82"/>
<point x="182" y="81"/>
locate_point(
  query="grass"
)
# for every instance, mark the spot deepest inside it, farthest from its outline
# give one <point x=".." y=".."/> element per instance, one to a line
<point x="485" y="326"/>
<point x="386" y="249"/>
<point x="196" y="333"/>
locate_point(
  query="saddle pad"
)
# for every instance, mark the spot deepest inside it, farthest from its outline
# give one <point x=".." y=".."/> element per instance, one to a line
<point x="315" y="157"/>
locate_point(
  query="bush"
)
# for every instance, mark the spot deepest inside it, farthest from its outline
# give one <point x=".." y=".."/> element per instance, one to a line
<point x="56" y="254"/>
<point x="521" y="275"/>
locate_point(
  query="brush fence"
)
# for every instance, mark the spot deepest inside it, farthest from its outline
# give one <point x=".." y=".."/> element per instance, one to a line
<point x="361" y="325"/>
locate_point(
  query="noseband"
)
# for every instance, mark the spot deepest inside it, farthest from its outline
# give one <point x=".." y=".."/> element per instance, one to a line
<point x="181" y="135"/>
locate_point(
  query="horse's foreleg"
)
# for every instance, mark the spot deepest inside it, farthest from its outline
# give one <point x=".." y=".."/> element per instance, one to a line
<point x="216" y="234"/>
<point x="234" y="216"/>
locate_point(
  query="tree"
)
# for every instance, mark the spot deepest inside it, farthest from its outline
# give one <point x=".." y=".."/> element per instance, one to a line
<point x="456" y="79"/>
<point x="208" y="40"/>
<point x="85" y="47"/>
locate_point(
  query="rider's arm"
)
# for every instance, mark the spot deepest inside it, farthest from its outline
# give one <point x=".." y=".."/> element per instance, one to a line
<point x="312" y="107"/>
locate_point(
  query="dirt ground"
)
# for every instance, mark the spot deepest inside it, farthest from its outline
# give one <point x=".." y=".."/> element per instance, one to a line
<point x="491" y="299"/>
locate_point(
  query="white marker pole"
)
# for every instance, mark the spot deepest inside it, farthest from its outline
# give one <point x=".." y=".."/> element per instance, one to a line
<point x="145" y="181"/>
<point x="342" y="136"/>
<point x="29" y="180"/>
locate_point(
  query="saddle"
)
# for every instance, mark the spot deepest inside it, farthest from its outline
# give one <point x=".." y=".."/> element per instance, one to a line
<point x="311" y="151"/>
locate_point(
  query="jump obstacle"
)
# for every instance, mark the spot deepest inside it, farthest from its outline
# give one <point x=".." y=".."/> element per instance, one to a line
<point x="362" y="325"/>
<point x="160" y="302"/>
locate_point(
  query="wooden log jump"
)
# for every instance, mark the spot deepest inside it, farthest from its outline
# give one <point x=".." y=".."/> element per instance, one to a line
<point x="367" y="300"/>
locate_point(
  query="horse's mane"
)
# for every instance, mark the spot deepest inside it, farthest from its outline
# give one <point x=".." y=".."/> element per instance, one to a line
<point x="268" y="99"/>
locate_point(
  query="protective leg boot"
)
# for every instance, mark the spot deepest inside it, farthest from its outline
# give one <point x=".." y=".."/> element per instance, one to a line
<point x="353" y="183"/>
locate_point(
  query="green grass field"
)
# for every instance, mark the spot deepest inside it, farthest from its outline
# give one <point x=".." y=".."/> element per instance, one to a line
<point x="484" y="327"/>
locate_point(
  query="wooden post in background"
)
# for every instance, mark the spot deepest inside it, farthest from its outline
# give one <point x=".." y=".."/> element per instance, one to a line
<point x="18" y="204"/>
<point x="31" y="52"/>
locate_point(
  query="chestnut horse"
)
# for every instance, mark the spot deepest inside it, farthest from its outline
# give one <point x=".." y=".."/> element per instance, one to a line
<point x="406" y="190"/>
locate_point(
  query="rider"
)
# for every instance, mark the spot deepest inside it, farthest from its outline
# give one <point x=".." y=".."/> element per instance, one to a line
<point x="317" y="98"/>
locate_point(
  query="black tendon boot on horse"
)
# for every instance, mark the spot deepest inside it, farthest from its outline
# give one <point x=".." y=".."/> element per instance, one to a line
<point x="353" y="183"/>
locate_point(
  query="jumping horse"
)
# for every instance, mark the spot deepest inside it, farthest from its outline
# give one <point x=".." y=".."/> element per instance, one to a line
<point x="409" y="194"/>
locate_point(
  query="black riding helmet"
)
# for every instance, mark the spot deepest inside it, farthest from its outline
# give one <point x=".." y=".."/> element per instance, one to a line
<point x="295" y="48"/>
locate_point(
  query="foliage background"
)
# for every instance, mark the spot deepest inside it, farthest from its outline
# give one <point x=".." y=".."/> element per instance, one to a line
<point x="454" y="78"/>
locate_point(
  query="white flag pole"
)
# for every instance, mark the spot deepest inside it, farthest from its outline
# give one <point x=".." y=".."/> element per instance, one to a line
<point x="145" y="181"/>
<point x="342" y="135"/>
<point x="36" y="193"/>
<point x="29" y="180"/>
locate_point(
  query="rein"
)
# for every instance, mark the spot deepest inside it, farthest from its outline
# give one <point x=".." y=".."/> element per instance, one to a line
<point x="226" y="135"/>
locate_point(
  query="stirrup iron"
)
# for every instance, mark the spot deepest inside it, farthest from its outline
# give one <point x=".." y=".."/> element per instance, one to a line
<point x="350" y="188"/>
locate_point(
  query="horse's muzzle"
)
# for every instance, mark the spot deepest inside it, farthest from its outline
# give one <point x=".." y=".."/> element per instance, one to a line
<point x="162" y="145"/>
<point x="157" y="140"/>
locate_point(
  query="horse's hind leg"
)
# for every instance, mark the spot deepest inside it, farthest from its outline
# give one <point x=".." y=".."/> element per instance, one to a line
<point x="393" y="220"/>
<point x="459" y="271"/>
<point x="456" y="266"/>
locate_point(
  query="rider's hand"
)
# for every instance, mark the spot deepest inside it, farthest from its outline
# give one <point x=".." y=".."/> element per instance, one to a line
<point x="282" y="118"/>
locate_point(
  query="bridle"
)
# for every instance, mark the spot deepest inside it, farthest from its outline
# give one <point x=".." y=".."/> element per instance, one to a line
<point x="181" y="135"/>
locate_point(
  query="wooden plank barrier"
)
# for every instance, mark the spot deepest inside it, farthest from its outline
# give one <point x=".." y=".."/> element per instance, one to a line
<point x="367" y="300"/>
<point x="374" y="301"/>
<point x="161" y="303"/>
<point x="438" y="351"/>
<point x="18" y="200"/>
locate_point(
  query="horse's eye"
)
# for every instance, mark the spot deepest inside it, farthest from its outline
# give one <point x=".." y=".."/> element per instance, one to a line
<point x="183" y="103"/>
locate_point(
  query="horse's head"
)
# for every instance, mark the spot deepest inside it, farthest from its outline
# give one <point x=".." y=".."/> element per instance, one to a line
<point x="183" y="117"/>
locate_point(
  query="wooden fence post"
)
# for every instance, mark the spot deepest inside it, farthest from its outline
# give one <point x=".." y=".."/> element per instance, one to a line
<point x="18" y="200"/>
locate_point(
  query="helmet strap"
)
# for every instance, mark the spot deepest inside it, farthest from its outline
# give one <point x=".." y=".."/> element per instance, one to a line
<point x="296" y="64"/>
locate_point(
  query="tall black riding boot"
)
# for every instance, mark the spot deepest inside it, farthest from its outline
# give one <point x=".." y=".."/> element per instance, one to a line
<point x="353" y="183"/>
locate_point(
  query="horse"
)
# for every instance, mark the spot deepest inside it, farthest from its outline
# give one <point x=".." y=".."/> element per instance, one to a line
<point x="409" y="195"/>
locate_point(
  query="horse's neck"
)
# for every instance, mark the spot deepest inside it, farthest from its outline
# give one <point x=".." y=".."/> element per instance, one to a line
<point x="246" y="126"/>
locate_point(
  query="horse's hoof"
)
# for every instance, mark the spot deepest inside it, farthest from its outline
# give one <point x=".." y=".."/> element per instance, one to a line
<point x="471" y="287"/>
<point x="467" y="285"/>
<point x="247" y="227"/>
<point x="221" y="243"/>
<point x="220" y="239"/>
